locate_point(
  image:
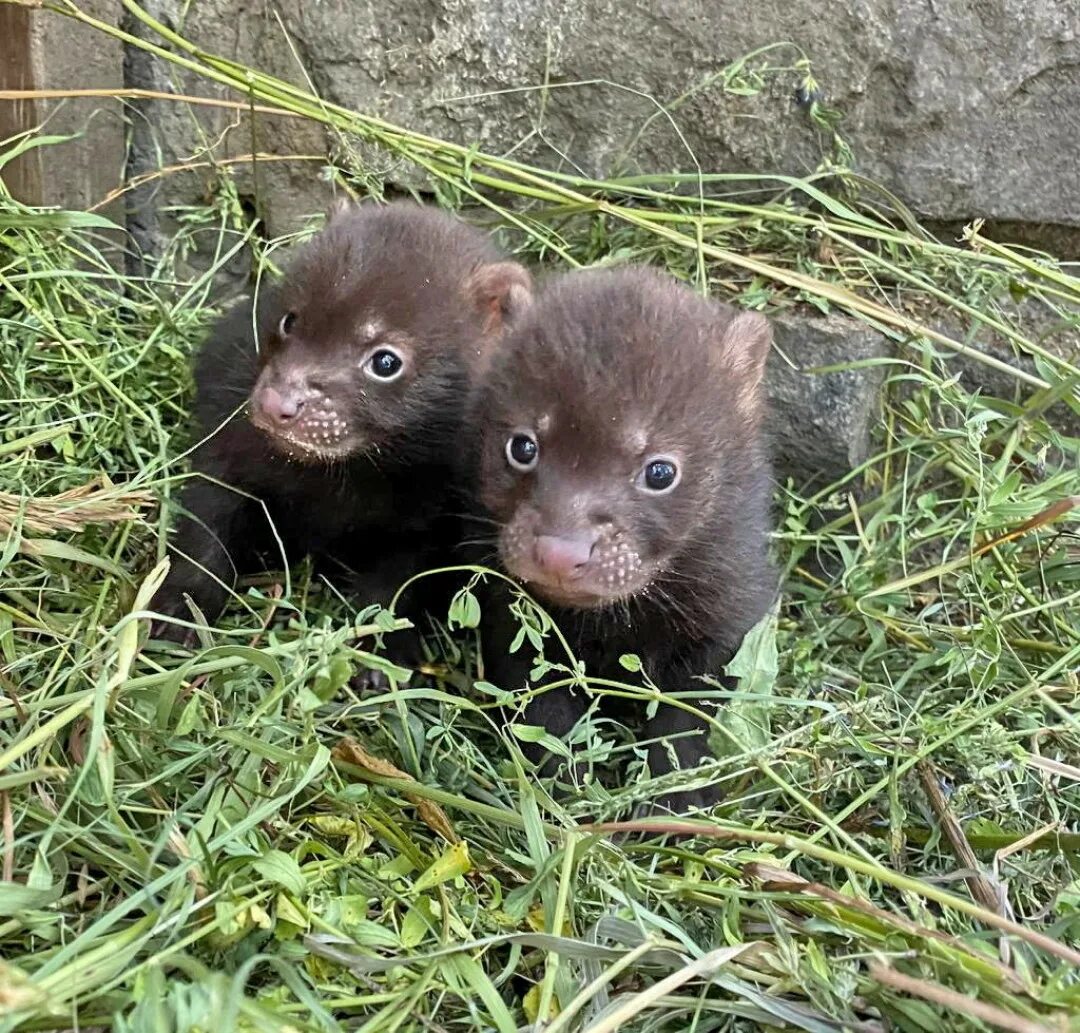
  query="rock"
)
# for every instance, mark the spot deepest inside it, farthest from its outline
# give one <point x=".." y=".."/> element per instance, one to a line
<point x="822" y="422"/>
<point x="1057" y="333"/>
<point x="963" y="109"/>
<point x="212" y="141"/>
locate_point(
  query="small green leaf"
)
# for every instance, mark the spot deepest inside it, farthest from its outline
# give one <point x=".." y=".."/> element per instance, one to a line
<point x="374" y="662"/>
<point x="500" y="695"/>
<point x="46" y="547"/>
<point x="746" y="716"/>
<point x="539" y="734"/>
<point x="370" y="934"/>
<point x="397" y="868"/>
<point x="1018" y="290"/>
<point x="385" y="620"/>
<point x="279" y="867"/>
<point x="334" y="825"/>
<point x="15" y="898"/>
<point x="453" y="861"/>
<point x="41" y="876"/>
<point x="190" y="717"/>
<point x="333" y="677"/>
<point x="464" y="610"/>
<point x="756" y="664"/>
<point x="417" y="924"/>
<point x="287" y="911"/>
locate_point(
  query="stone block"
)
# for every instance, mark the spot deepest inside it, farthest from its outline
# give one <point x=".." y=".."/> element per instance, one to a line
<point x="822" y="423"/>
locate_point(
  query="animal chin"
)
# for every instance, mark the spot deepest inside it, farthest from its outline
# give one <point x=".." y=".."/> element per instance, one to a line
<point x="581" y="593"/>
<point x="570" y="596"/>
<point x="305" y="449"/>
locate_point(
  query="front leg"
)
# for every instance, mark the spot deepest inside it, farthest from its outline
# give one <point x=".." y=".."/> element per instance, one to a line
<point x="681" y="737"/>
<point x="215" y="542"/>
<point x="556" y="711"/>
<point x="378" y="582"/>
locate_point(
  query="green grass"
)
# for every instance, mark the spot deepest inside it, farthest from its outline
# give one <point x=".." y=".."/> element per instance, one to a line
<point x="234" y="839"/>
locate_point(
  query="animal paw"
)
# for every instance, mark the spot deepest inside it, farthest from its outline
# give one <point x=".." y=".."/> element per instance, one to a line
<point x="168" y="631"/>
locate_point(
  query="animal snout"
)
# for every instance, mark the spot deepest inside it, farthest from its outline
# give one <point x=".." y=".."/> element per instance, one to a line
<point x="563" y="555"/>
<point x="280" y="406"/>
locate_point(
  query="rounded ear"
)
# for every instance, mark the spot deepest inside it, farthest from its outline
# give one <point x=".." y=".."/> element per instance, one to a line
<point x="742" y="350"/>
<point x="501" y="292"/>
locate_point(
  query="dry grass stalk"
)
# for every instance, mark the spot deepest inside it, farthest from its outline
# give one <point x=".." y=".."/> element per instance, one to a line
<point x="96" y="502"/>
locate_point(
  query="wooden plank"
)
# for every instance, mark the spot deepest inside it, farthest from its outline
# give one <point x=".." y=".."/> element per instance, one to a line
<point x="23" y="175"/>
<point x="41" y="49"/>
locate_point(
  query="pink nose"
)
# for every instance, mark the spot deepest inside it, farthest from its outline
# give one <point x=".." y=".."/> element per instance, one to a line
<point x="279" y="406"/>
<point x="563" y="555"/>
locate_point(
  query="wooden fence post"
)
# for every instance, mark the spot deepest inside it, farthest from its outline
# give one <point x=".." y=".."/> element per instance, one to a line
<point x="42" y="50"/>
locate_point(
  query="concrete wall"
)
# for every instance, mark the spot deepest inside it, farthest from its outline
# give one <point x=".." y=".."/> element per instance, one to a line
<point x="963" y="108"/>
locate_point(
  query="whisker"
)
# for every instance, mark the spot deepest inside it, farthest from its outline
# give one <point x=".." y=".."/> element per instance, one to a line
<point x="491" y="542"/>
<point x="476" y="518"/>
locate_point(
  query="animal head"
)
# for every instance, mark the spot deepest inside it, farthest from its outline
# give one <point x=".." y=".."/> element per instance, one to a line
<point x="367" y="345"/>
<point x="616" y="423"/>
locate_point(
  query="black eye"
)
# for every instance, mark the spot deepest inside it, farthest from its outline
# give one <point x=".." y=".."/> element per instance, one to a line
<point x="660" y="475"/>
<point x="288" y="321"/>
<point x="522" y="451"/>
<point x="386" y="364"/>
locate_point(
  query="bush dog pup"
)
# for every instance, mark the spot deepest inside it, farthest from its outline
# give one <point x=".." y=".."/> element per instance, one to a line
<point x="621" y="457"/>
<point x="351" y="378"/>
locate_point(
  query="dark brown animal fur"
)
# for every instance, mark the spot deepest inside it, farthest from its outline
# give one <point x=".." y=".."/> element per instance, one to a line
<point x="606" y="371"/>
<point x="363" y="476"/>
